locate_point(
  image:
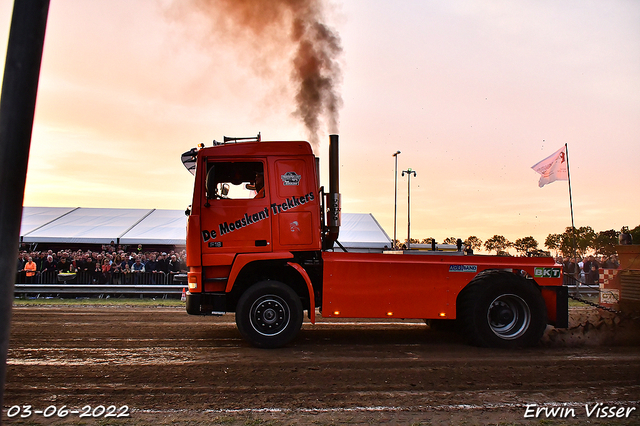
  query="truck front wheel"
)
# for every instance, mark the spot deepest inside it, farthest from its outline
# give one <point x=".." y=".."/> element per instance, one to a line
<point x="269" y="314"/>
<point x="501" y="312"/>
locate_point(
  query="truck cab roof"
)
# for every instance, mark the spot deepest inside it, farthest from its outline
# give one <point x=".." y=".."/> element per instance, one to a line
<point x="267" y="148"/>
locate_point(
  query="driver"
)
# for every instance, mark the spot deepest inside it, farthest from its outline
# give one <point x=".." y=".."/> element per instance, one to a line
<point x="259" y="185"/>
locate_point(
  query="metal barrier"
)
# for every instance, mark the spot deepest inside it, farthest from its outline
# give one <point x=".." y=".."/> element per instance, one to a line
<point x="117" y="278"/>
<point x="40" y="289"/>
<point x="578" y="288"/>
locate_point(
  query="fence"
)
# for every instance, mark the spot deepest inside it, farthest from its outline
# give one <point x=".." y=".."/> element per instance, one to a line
<point x="98" y="289"/>
<point x="578" y="288"/>
<point x="117" y="278"/>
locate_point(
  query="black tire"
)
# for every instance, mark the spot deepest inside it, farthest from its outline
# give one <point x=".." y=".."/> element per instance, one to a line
<point x="502" y="310"/>
<point x="269" y="314"/>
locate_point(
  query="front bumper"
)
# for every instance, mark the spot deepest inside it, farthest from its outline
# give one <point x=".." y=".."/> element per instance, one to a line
<point x="206" y="303"/>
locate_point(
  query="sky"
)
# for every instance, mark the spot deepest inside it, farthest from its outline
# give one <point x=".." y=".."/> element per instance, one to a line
<point x="473" y="93"/>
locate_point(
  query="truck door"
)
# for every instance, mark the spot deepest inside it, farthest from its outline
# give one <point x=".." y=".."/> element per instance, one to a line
<point x="235" y="216"/>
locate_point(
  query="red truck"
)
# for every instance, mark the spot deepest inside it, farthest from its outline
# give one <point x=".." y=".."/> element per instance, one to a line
<point x="262" y="241"/>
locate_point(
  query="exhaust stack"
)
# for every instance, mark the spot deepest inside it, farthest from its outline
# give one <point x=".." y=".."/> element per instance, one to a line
<point x="333" y="197"/>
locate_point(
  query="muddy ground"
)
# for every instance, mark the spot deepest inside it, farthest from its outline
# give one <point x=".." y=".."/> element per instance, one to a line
<point x="171" y="368"/>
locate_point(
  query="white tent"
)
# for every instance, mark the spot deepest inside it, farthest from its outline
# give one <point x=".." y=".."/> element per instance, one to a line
<point x="159" y="227"/>
<point x="102" y="225"/>
<point x="68" y="225"/>
<point x="34" y="218"/>
<point x="362" y="232"/>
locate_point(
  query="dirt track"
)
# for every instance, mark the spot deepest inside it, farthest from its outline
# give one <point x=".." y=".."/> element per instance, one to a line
<point x="169" y="368"/>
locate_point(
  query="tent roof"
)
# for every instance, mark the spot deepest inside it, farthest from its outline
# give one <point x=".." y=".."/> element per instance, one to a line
<point x="153" y="226"/>
<point x="159" y="227"/>
<point x="362" y="230"/>
<point x="82" y="225"/>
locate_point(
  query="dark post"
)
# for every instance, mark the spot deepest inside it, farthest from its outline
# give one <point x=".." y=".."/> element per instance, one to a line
<point x="333" y="197"/>
<point x="17" y="106"/>
<point x="409" y="172"/>
<point x="395" y="202"/>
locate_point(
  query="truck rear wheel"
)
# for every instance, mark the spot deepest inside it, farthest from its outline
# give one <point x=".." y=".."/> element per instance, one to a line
<point x="501" y="310"/>
<point x="269" y="314"/>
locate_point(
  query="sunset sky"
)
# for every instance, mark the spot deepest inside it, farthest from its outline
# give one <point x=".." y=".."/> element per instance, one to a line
<point x="473" y="93"/>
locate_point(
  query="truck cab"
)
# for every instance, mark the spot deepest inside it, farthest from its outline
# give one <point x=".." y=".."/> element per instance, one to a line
<point x="253" y="201"/>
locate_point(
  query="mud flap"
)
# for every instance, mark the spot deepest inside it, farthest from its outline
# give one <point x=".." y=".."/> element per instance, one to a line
<point x="562" y="307"/>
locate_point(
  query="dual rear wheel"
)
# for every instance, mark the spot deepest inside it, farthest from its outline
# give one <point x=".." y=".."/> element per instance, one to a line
<point x="502" y="310"/>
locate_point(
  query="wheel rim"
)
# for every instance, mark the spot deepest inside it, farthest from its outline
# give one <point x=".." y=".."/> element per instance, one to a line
<point x="269" y="315"/>
<point x="509" y="316"/>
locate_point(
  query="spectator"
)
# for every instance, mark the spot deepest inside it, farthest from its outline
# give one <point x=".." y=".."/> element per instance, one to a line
<point x="581" y="274"/>
<point x="116" y="272"/>
<point x="90" y="269"/>
<point x="31" y="269"/>
<point x="137" y="269"/>
<point x="80" y="261"/>
<point x="105" y="273"/>
<point x="162" y="264"/>
<point x="569" y="268"/>
<point x="151" y="266"/>
<point x="40" y="259"/>
<point x="174" y="265"/>
<point x="593" y="277"/>
<point x="611" y="263"/>
<point x="49" y="265"/>
<point x="64" y="265"/>
<point x="22" y="260"/>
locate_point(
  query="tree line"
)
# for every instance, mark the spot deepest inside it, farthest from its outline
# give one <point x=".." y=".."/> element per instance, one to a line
<point x="584" y="239"/>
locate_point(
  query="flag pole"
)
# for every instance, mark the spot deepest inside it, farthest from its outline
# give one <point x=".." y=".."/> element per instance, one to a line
<point x="566" y="150"/>
<point x="573" y="227"/>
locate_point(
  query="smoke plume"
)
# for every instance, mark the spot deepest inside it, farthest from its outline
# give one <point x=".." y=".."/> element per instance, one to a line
<point x="295" y="28"/>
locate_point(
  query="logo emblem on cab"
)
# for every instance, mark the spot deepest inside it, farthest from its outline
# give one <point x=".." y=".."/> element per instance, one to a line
<point x="291" y="178"/>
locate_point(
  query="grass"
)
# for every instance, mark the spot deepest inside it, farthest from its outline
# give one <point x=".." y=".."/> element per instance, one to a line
<point x="577" y="304"/>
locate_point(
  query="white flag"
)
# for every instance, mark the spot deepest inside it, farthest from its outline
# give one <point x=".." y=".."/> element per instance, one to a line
<point x="553" y="168"/>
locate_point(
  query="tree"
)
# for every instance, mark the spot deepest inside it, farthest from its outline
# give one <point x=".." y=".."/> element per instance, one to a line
<point x="605" y="242"/>
<point x="583" y="241"/>
<point x="585" y="236"/>
<point x="450" y="240"/>
<point x="474" y="242"/>
<point x="497" y="243"/>
<point x="567" y="243"/>
<point x="553" y="241"/>
<point x="413" y="241"/>
<point x="525" y="245"/>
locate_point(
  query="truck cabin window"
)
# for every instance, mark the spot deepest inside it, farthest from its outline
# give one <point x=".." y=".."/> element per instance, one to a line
<point x="235" y="180"/>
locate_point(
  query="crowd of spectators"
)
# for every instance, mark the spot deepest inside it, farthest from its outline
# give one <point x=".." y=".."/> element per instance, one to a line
<point x="586" y="270"/>
<point x="111" y="265"/>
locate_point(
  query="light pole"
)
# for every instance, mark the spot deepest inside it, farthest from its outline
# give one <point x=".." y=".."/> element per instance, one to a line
<point x="409" y="172"/>
<point x="395" y="203"/>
